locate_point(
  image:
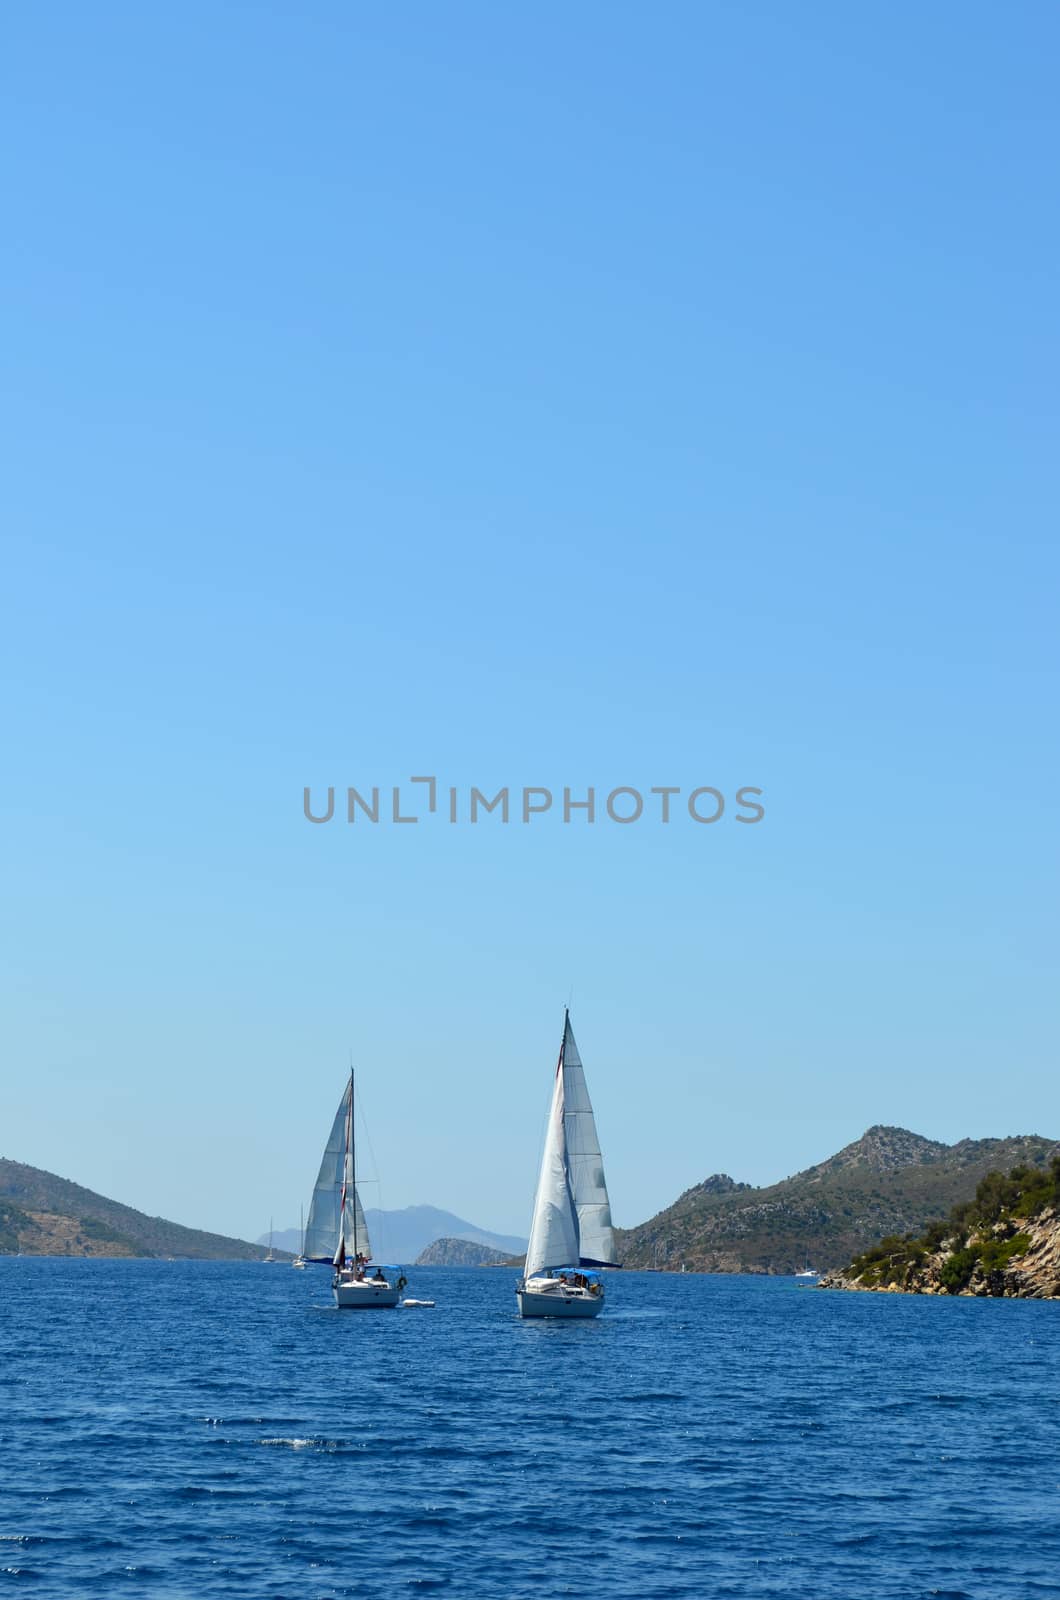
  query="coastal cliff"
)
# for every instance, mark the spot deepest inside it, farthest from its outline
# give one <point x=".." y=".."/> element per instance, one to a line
<point x="1004" y="1243"/>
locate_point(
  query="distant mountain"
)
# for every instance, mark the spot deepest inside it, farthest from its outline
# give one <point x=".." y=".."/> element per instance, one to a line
<point x="403" y="1235"/>
<point x="41" y="1214"/>
<point x="889" y="1181"/>
<point x="461" y="1253"/>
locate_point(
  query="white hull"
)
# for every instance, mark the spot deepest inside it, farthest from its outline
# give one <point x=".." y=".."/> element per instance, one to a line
<point x="366" y="1296"/>
<point x="559" y="1302"/>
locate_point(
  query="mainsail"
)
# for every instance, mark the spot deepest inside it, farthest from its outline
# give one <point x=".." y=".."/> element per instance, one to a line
<point x="572" y="1214"/>
<point x="336" y="1225"/>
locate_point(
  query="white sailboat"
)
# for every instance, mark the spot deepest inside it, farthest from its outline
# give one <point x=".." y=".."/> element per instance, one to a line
<point x="337" y="1234"/>
<point x="270" y="1259"/>
<point x="570" y="1236"/>
<point x="299" y="1260"/>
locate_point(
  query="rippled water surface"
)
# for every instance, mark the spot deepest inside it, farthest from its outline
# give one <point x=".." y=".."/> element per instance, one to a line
<point x="216" y="1429"/>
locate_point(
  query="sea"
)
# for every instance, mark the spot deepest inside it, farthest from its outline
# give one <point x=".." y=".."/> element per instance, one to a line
<point x="215" y="1429"/>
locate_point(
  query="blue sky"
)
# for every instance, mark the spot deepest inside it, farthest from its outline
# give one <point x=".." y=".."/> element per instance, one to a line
<point x="524" y="397"/>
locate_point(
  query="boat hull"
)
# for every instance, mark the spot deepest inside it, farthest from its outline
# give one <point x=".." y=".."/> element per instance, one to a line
<point x="365" y="1296"/>
<point x="558" y="1303"/>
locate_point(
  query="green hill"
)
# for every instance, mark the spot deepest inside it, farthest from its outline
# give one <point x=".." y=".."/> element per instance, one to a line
<point x="889" y="1181"/>
<point x="41" y="1214"/>
<point x="1004" y="1242"/>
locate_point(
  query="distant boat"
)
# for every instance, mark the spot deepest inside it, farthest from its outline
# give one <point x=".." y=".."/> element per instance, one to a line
<point x="299" y="1260"/>
<point x="336" y="1234"/>
<point x="570" y="1238"/>
<point x="270" y="1259"/>
<point x="808" y="1272"/>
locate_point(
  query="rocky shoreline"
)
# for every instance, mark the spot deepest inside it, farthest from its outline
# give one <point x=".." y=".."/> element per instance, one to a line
<point x="1014" y="1258"/>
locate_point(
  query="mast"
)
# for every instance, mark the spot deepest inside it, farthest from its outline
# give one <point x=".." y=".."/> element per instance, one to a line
<point x="561" y="1074"/>
<point x="340" y="1248"/>
<point x="353" y="1166"/>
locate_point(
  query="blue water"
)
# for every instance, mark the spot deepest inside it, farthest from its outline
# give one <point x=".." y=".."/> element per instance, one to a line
<point x="216" y="1429"/>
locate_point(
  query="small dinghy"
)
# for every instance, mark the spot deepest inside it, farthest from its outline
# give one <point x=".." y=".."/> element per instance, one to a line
<point x="417" y="1302"/>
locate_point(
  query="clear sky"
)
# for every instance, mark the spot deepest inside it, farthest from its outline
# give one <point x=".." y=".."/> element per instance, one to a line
<point x="602" y="395"/>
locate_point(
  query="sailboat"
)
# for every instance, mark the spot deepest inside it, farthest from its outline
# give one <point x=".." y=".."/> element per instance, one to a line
<point x="570" y="1236"/>
<point x="299" y="1260"/>
<point x="270" y="1259"/>
<point x="336" y="1234"/>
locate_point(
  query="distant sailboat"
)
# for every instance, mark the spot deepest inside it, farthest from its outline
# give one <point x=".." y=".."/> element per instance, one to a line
<point x="337" y="1234"/>
<point x="299" y="1260"/>
<point x="570" y="1237"/>
<point x="270" y="1259"/>
<point x="808" y="1272"/>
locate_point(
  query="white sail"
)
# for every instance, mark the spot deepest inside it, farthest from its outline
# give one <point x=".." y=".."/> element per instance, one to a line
<point x="572" y="1215"/>
<point x="585" y="1164"/>
<point x="330" y="1222"/>
<point x="554" y="1230"/>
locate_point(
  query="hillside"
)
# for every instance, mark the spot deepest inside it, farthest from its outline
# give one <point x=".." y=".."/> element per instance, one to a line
<point x="402" y="1235"/>
<point x="461" y="1253"/>
<point x="889" y="1181"/>
<point x="41" y="1214"/>
<point x="1005" y="1242"/>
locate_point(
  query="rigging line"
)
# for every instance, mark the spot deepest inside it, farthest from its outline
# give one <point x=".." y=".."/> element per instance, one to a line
<point x="377" y="1180"/>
